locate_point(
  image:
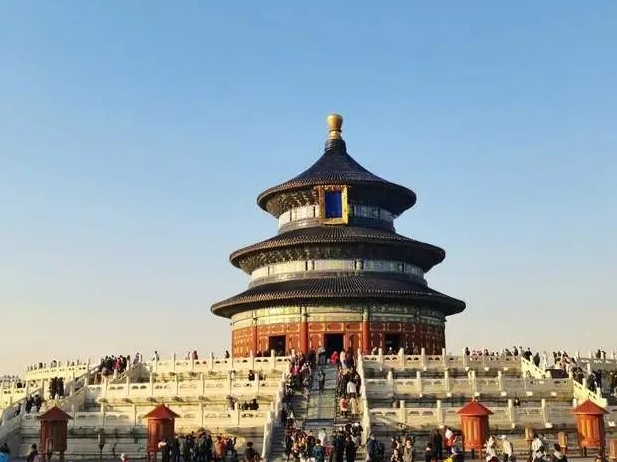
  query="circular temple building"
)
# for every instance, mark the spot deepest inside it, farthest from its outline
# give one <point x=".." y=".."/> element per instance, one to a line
<point x="337" y="274"/>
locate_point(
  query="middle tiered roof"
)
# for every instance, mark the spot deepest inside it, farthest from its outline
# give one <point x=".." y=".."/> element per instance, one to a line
<point x="337" y="242"/>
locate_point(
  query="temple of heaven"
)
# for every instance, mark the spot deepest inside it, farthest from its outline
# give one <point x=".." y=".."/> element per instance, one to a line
<point x="337" y="274"/>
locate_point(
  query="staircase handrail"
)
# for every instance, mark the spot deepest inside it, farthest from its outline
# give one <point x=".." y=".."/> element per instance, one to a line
<point x="9" y="427"/>
<point x="366" y="416"/>
<point x="582" y="393"/>
<point x="67" y="403"/>
<point x="274" y="415"/>
<point x="119" y="378"/>
<point x="533" y="370"/>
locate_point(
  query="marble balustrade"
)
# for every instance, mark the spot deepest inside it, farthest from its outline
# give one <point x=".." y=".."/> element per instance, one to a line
<point x="265" y="363"/>
<point x="449" y="361"/>
<point x="470" y="386"/>
<point x="65" y="371"/>
<point x="542" y="416"/>
<point x="189" y="419"/>
<point x="13" y="395"/>
<point x="172" y="364"/>
<point x="185" y="388"/>
<point x="442" y="361"/>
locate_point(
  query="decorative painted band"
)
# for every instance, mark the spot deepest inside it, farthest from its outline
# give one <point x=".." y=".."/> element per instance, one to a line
<point x="336" y="336"/>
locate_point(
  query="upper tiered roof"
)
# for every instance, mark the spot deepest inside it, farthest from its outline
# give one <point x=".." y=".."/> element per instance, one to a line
<point x="336" y="166"/>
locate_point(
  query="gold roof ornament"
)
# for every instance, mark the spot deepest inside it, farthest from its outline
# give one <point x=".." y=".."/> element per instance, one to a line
<point x="335" y="126"/>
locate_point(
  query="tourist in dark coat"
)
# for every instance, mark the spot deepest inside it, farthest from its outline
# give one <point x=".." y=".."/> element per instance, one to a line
<point x="436" y="441"/>
<point x="350" y="449"/>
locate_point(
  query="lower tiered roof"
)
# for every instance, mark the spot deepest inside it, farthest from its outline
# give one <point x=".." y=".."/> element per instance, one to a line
<point x="364" y="288"/>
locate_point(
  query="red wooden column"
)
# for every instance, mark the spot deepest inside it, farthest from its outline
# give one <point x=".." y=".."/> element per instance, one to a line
<point x="366" y="334"/>
<point x="254" y="337"/>
<point x="304" y="337"/>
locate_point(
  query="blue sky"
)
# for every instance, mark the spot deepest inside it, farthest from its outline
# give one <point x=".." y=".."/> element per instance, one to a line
<point x="135" y="137"/>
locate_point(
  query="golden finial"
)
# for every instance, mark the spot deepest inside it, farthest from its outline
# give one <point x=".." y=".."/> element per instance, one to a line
<point x="335" y="124"/>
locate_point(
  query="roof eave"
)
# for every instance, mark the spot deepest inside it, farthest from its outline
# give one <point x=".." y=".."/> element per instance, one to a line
<point x="236" y="257"/>
<point x="227" y="308"/>
<point x="264" y="198"/>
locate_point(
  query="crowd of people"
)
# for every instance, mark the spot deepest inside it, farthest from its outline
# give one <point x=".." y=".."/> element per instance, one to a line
<point x="56" y="388"/>
<point x="201" y="446"/>
<point x="114" y="364"/>
<point x="348" y="384"/>
<point x="233" y="403"/>
<point x="496" y="452"/>
<point x="438" y="446"/>
<point x="111" y="364"/>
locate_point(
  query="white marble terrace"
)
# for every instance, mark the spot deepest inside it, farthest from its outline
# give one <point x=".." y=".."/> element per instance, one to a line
<point x="37" y="380"/>
<point x="195" y="389"/>
<point x="546" y="402"/>
<point x="198" y="391"/>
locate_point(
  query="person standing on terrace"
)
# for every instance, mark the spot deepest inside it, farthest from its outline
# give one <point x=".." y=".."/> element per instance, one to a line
<point x="508" y="450"/>
<point x="436" y="441"/>
<point x="4" y="453"/>
<point x="321" y="355"/>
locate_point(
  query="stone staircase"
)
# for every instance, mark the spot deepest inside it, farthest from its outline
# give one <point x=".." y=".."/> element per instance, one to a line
<point x="324" y="411"/>
<point x="323" y="406"/>
<point x="11" y="430"/>
<point x="299" y="403"/>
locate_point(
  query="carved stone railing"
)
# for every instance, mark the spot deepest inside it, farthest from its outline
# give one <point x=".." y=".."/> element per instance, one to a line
<point x="543" y="416"/>
<point x="133" y="371"/>
<point x="273" y="417"/>
<point x="189" y="419"/>
<point x="182" y="388"/>
<point x="64" y="370"/>
<point x="471" y="386"/>
<point x="364" y="405"/>
<point x="441" y="362"/>
<point x="265" y="363"/>
<point x="13" y="395"/>
<point x="9" y="427"/>
<point x="528" y="368"/>
<point x="591" y="363"/>
<point x="582" y="393"/>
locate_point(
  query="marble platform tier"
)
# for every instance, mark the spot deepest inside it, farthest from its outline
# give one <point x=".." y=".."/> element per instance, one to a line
<point x="425" y="391"/>
<point x="198" y="390"/>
